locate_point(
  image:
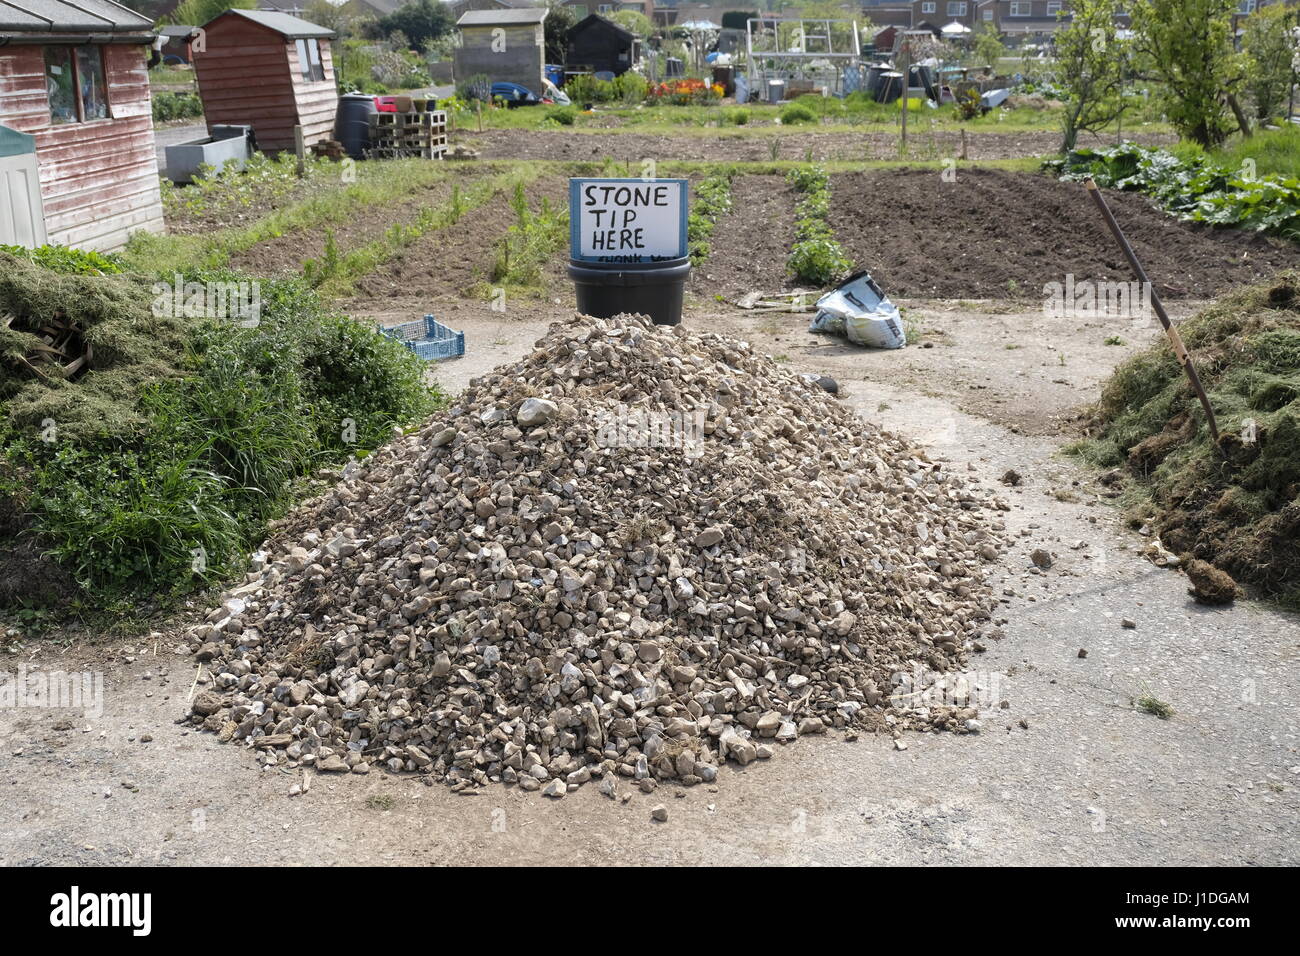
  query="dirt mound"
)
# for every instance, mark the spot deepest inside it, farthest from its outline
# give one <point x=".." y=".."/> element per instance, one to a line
<point x="638" y="552"/>
<point x="1238" y="508"/>
<point x="995" y="234"/>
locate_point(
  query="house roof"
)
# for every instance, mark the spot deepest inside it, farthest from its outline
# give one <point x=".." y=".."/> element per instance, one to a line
<point x="287" y="26"/>
<point x="492" y="18"/>
<point x="594" y="19"/>
<point x="176" y="30"/>
<point x="63" y="16"/>
<point x="381" y="7"/>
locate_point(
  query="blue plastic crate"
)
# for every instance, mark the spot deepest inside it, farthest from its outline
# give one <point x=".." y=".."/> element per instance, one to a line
<point x="428" y="338"/>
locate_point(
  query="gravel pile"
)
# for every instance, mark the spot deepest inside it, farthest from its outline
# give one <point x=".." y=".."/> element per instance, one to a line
<point x="534" y="589"/>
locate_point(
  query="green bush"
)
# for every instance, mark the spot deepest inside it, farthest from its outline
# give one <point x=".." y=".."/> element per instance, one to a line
<point x="585" y="88"/>
<point x="794" y="114"/>
<point x="562" y="115"/>
<point x="202" y="453"/>
<point x="819" y="261"/>
<point x="477" y="87"/>
<point x="738" y="116"/>
<point x="630" y="88"/>
<point x="172" y="106"/>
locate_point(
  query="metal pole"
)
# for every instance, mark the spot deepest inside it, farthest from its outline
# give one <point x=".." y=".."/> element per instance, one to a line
<point x="1175" y="340"/>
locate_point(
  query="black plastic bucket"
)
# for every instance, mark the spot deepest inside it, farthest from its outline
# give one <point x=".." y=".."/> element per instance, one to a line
<point x="650" y="288"/>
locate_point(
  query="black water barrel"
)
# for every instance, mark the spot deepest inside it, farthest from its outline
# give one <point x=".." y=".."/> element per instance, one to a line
<point x="650" y="288"/>
<point x="352" y="123"/>
<point x="890" y="87"/>
<point x="872" y="84"/>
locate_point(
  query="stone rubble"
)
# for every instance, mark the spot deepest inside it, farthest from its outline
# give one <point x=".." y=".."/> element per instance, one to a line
<point x="530" y="590"/>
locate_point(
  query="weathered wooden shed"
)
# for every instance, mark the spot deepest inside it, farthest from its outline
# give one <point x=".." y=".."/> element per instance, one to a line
<point x="74" y="77"/>
<point x="269" y="71"/>
<point x="599" y="45"/>
<point x="506" y="46"/>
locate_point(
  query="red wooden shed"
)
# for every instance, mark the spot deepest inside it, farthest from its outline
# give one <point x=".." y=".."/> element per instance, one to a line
<point x="269" y="71"/>
<point x="74" y="76"/>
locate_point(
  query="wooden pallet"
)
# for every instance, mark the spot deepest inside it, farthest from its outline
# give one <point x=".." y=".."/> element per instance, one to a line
<point x="399" y="135"/>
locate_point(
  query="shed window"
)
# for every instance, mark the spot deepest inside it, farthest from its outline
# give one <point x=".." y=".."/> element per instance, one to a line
<point x="74" y="82"/>
<point x="313" y="69"/>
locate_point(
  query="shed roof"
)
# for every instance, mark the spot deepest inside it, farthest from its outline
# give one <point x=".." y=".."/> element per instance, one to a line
<point x="492" y="18"/>
<point x="63" y="16"/>
<point x="595" y="20"/>
<point x="290" y="27"/>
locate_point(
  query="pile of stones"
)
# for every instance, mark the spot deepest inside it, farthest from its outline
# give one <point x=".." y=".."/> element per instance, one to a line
<point x="634" y="555"/>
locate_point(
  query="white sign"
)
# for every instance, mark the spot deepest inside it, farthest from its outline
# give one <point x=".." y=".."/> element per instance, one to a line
<point x="627" y="220"/>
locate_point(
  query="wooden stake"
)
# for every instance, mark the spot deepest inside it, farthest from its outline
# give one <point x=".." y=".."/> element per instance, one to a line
<point x="300" y="150"/>
<point x="1175" y="340"/>
<point x="905" y="69"/>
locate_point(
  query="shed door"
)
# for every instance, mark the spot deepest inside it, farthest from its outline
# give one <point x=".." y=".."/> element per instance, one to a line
<point x="22" y="216"/>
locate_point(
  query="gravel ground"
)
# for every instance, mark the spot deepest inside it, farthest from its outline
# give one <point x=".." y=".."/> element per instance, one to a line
<point x="1086" y="779"/>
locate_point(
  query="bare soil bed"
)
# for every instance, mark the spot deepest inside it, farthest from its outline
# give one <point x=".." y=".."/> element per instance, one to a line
<point x="694" y="144"/>
<point x="447" y="262"/>
<point x="998" y="234"/>
<point x="749" y="246"/>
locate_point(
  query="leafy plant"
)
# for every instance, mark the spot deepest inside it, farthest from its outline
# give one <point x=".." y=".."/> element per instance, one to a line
<point x="562" y="115"/>
<point x="795" y="113"/>
<point x="815" y="256"/>
<point x="169" y="105"/>
<point x="1197" y="190"/>
<point x="66" y="261"/>
<point x="712" y="201"/>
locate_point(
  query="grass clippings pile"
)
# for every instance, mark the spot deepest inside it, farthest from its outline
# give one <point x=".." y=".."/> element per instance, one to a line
<point x="111" y="314"/>
<point x="156" y="465"/>
<point x="1239" y="512"/>
<point x="543" y="585"/>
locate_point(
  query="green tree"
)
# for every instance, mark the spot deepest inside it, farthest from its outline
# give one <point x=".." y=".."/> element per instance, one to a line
<point x="1189" y="46"/>
<point x="328" y="15"/>
<point x="195" y="13"/>
<point x="637" y="24"/>
<point x="988" y="47"/>
<point x="418" y="21"/>
<point x="1089" y="63"/>
<point x="559" y="19"/>
<point x="1271" y="48"/>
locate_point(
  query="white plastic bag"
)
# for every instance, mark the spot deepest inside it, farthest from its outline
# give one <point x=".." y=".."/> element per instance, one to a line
<point x="862" y="313"/>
